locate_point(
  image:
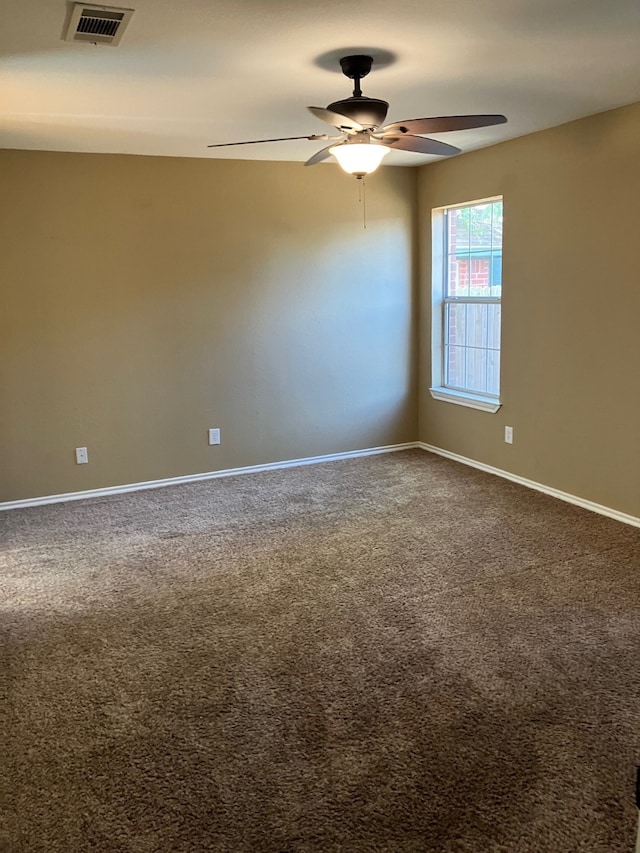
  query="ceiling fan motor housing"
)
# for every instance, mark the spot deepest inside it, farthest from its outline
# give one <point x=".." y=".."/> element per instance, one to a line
<point x="369" y="112"/>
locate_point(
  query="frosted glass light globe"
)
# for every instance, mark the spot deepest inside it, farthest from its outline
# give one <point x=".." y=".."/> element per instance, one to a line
<point x="359" y="158"/>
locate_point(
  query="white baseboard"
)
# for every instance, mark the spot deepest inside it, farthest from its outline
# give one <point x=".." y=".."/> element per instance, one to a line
<point x="531" y="484"/>
<point x="196" y="478"/>
<point x="313" y="460"/>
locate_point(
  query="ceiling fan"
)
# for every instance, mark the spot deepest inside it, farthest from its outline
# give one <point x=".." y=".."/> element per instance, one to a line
<point x="364" y="139"/>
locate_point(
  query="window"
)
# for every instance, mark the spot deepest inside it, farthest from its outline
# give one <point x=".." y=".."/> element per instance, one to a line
<point x="466" y="310"/>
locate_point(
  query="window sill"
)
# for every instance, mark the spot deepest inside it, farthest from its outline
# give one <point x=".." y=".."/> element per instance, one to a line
<point x="459" y="398"/>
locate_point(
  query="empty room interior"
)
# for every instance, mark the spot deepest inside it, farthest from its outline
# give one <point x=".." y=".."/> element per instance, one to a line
<point x="319" y="425"/>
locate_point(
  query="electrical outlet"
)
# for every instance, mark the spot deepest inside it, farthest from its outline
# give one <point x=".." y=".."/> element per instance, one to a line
<point x="508" y="435"/>
<point x="214" y="436"/>
<point x="82" y="457"/>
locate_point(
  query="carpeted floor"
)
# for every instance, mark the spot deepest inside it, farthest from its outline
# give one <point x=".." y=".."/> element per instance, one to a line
<point x="394" y="653"/>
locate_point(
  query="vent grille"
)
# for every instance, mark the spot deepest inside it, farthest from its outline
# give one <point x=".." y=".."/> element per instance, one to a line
<point x="97" y="24"/>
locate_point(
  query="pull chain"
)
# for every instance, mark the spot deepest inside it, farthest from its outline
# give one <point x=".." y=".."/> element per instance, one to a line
<point x="362" y="199"/>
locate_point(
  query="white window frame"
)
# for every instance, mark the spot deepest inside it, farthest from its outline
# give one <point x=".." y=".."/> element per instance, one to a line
<point x="438" y="390"/>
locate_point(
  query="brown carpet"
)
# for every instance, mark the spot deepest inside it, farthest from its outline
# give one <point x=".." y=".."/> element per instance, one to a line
<point x="394" y="653"/>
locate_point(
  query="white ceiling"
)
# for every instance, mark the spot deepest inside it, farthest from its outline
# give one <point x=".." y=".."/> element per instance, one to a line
<point x="190" y="72"/>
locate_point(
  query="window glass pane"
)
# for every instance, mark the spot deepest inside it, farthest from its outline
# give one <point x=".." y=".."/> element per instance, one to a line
<point x="496" y="226"/>
<point x="480" y="276"/>
<point x="458" y="231"/>
<point x="496" y="273"/>
<point x="493" y="372"/>
<point x="480" y="227"/>
<point x="455" y="367"/>
<point x="493" y="326"/>
<point x="496" y="249"/>
<point x="458" y="277"/>
<point x="476" y="369"/>
<point x="455" y="324"/>
<point x="476" y="325"/>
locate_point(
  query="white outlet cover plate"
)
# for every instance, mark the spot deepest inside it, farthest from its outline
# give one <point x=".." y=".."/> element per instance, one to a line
<point x="214" y="436"/>
<point x="82" y="457"/>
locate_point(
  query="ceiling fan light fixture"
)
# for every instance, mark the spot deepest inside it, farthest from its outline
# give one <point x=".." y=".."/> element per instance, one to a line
<point x="359" y="158"/>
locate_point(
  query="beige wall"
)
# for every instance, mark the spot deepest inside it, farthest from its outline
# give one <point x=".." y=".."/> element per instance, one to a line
<point x="571" y="307"/>
<point x="144" y="300"/>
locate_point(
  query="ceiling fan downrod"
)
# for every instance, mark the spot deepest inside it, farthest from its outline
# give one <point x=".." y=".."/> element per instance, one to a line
<point x="355" y="68"/>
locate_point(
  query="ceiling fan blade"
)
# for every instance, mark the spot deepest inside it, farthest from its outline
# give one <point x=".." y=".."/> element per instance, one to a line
<point x="313" y="136"/>
<point x="320" y="155"/>
<point x="341" y="122"/>
<point x="418" y="144"/>
<point x="443" y="124"/>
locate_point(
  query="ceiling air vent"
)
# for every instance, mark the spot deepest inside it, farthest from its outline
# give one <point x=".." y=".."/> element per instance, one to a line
<point x="97" y="24"/>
